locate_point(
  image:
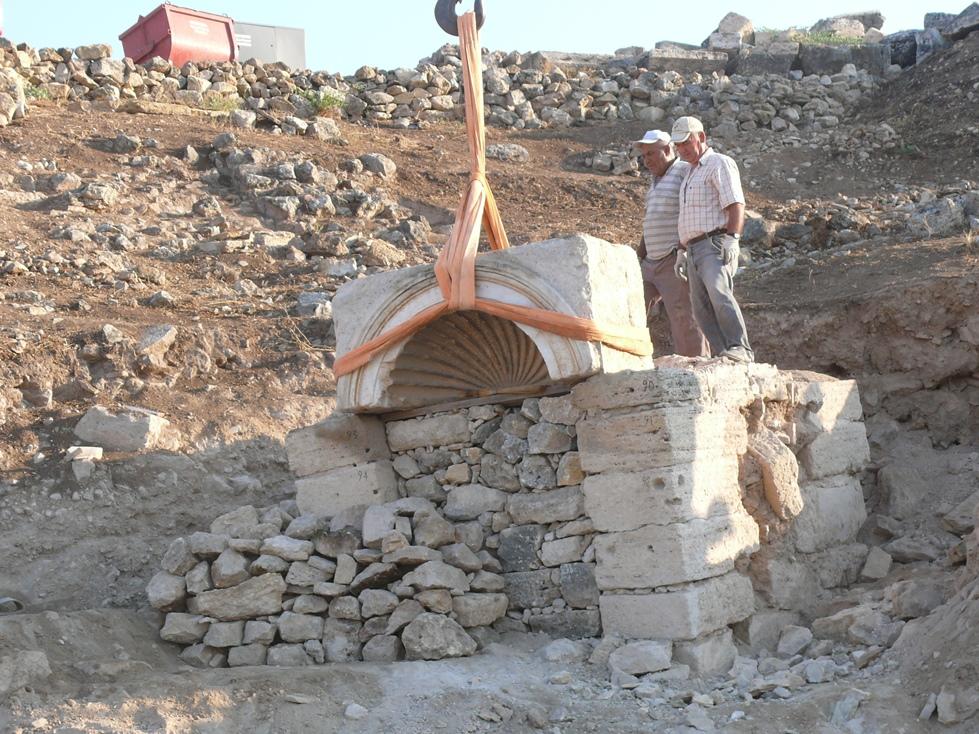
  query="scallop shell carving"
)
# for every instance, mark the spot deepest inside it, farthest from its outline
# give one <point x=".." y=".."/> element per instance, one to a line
<point x="463" y="355"/>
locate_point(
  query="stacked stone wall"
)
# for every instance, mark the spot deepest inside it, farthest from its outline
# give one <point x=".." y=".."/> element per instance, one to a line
<point x="651" y="505"/>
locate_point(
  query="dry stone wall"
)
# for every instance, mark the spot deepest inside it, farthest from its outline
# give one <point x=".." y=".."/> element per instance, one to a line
<point x="647" y="505"/>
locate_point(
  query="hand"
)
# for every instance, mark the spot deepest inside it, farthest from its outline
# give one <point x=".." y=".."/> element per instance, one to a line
<point x="680" y="266"/>
<point x="730" y="250"/>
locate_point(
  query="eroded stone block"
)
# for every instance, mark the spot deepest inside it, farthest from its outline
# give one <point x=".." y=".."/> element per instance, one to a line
<point x="683" y="614"/>
<point x="832" y="513"/>
<point x="656" y="438"/>
<point x="659" y="555"/>
<point x="342" y="439"/>
<point x="685" y="491"/>
<point x="338" y="489"/>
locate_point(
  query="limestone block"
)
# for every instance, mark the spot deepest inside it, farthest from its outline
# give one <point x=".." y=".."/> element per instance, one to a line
<point x="761" y="631"/>
<point x="709" y="655"/>
<point x="685" y="491"/>
<point x="330" y="492"/>
<point x="774" y="58"/>
<point x="579" y="275"/>
<point x="132" y="430"/>
<point x="779" y="470"/>
<point x="684" y="614"/>
<point x="563" y="550"/>
<point x="660" y="437"/>
<point x="577" y="584"/>
<point x="877" y="565"/>
<point x="683" y="61"/>
<point x="529" y="589"/>
<point x="519" y="546"/>
<point x="713" y="382"/>
<point x="658" y="555"/>
<point x="827" y="400"/>
<point x="783" y="580"/>
<point x="247" y="655"/>
<point x="555" y="505"/>
<point x="844" y="450"/>
<point x="560" y="410"/>
<point x="256" y="597"/>
<point x="479" y="610"/>
<point x="469" y="501"/>
<point x="341" y="439"/>
<point x="832" y="513"/>
<point x="185" y="629"/>
<point x="433" y="637"/>
<point x="641" y="657"/>
<point x="575" y="624"/>
<point x="300" y="627"/>
<point x="436" y="430"/>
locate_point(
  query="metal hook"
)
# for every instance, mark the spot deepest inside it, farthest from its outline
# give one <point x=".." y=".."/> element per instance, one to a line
<point x="445" y="14"/>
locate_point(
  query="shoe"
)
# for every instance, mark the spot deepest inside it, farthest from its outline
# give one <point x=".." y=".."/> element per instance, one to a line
<point x="738" y="354"/>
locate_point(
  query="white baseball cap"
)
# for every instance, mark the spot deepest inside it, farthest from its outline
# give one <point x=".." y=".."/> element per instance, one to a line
<point x="652" y="137"/>
<point x="684" y="127"/>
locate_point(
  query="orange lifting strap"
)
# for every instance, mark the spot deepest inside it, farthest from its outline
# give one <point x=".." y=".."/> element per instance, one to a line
<point x="455" y="269"/>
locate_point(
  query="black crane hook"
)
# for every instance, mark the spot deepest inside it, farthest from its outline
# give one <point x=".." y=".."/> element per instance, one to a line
<point x="445" y="14"/>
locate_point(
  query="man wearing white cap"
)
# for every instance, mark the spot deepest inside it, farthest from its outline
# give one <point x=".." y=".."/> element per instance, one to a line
<point x="660" y="240"/>
<point x="710" y="224"/>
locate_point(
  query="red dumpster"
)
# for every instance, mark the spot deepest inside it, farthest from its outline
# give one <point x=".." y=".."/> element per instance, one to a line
<point x="180" y="35"/>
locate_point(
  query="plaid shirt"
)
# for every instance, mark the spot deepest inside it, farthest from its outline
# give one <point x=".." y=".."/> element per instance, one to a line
<point x="712" y="185"/>
<point x="662" y="210"/>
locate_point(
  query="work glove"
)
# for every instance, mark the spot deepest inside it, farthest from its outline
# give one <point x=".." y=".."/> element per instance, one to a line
<point x="730" y="250"/>
<point x="680" y="266"/>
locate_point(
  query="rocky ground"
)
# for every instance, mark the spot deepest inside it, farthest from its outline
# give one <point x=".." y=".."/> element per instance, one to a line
<point x="178" y="272"/>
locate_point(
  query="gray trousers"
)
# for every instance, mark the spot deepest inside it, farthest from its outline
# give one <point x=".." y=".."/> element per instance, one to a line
<point x="712" y="295"/>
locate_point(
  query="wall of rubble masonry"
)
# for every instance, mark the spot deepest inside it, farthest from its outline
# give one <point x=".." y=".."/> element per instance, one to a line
<point x="642" y="505"/>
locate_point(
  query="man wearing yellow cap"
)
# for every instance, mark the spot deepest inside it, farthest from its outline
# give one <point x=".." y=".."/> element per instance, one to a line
<point x="710" y="223"/>
<point x="660" y="241"/>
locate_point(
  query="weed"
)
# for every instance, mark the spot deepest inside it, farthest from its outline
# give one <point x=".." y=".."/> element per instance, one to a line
<point x="222" y="104"/>
<point x="909" y="150"/>
<point x="807" y="38"/>
<point x="324" y="101"/>
<point x="32" y="91"/>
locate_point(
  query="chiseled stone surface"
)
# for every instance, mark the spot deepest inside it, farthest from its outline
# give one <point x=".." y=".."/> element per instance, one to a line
<point x="330" y="492"/>
<point x="832" y="513"/>
<point x="659" y="555"/>
<point x="684" y="614"/>
<point x="661" y="437"/>
<point x="341" y="439"/>
<point x="684" y="491"/>
<point x="435" y="430"/>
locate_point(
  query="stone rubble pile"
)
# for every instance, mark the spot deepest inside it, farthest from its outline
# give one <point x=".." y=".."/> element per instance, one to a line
<point x="809" y="232"/>
<point x="343" y="221"/>
<point x="521" y="90"/>
<point x="488" y="536"/>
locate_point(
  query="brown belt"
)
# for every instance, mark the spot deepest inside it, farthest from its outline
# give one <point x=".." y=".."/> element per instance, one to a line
<point x="699" y="237"/>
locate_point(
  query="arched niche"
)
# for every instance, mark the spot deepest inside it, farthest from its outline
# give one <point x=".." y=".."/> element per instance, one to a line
<point x="470" y="354"/>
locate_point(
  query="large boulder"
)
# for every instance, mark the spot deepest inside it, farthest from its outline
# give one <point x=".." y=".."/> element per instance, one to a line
<point x="434" y="636"/>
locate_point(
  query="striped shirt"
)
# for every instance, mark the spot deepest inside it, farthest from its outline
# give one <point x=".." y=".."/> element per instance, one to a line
<point x="712" y="184"/>
<point x="659" y="228"/>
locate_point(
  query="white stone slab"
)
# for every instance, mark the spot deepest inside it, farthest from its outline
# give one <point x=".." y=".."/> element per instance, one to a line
<point x="328" y="493"/>
<point x="580" y="275"/>
<point x="618" y="501"/>
<point x="341" y="439"/>
<point x="659" y="437"/>
<point x="843" y="450"/>
<point x="679" y="615"/>
<point x="660" y="555"/>
<point x="833" y="511"/>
